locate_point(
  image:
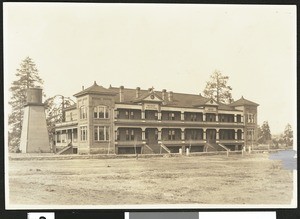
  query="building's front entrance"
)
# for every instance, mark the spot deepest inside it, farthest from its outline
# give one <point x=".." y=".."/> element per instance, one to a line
<point x="211" y="135"/>
<point x="151" y="136"/>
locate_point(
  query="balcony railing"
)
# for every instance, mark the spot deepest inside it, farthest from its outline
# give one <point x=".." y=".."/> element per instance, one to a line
<point x="69" y="123"/>
<point x="129" y="143"/>
<point x="176" y="121"/>
<point x="224" y="141"/>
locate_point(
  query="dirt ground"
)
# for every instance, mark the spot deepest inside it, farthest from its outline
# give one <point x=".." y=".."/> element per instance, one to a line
<point x="251" y="179"/>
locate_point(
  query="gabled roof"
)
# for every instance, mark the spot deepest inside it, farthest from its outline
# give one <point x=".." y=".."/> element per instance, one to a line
<point x="95" y="89"/>
<point x="207" y="102"/>
<point x="243" y="102"/>
<point x="179" y="99"/>
<point x="144" y="97"/>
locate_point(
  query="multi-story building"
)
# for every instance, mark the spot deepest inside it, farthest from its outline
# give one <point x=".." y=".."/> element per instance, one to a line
<point x="122" y="120"/>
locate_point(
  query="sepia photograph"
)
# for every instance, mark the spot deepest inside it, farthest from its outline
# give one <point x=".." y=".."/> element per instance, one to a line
<point x="149" y="106"/>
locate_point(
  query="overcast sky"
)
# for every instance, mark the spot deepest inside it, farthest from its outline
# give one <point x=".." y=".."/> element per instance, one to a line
<point x="173" y="47"/>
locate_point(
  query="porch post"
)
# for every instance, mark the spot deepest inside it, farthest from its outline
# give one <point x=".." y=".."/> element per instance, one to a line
<point x="143" y="114"/>
<point x="182" y="116"/>
<point x="159" y="115"/>
<point x="143" y="134"/>
<point x="159" y="134"/>
<point x="182" y="134"/>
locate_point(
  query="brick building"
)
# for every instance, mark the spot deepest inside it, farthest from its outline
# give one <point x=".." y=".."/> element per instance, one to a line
<point x="122" y="120"/>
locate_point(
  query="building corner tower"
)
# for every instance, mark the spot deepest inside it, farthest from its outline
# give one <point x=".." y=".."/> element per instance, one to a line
<point x="34" y="136"/>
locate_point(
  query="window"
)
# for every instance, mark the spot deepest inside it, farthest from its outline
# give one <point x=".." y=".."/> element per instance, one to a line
<point x="238" y="118"/>
<point x="156" y="134"/>
<point x="151" y="115"/>
<point x="83" y="133"/>
<point x="58" y="137"/>
<point x="129" y="134"/>
<point x="193" y="117"/>
<point x="83" y="112"/>
<point x="117" y="115"/>
<point x="171" y="116"/>
<point x="63" y="136"/>
<point x="193" y="134"/>
<point x="75" y="135"/>
<point x="239" y="134"/>
<point x="101" y="112"/>
<point x="250" y="118"/>
<point x="171" y="135"/>
<point x="131" y="115"/>
<point x="250" y="134"/>
<point x="210" y="117"/>
<point x="118" y="135"/>
<point x="101" y="133"/>
<point x="221" y="118"/>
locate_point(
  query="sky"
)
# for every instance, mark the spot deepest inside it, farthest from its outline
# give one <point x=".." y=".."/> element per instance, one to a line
<point x="166" y="46"/>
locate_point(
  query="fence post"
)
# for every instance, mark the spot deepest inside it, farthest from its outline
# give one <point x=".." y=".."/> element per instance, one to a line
<point x="187" y="152"/>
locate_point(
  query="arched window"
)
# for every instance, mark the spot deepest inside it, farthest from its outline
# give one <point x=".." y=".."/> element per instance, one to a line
<point x="101" y="112"/>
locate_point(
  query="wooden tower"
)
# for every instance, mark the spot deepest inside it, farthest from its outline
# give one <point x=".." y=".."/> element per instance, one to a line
<point x="34" y="136"/>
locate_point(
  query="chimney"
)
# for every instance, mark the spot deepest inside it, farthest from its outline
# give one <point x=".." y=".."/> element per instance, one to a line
<point x="164" y="94"/>
<point x="138" y="92"/>
<point x="82" y="87"/>
<point x="121" y="93"/>
<point x="170" y="96"/>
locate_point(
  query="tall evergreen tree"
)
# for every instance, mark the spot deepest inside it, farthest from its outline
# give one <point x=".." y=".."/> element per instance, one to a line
<point x="265" y="132"/>
<point x="288" y="135"/>
<point x="218" y="89"/>
<point x="27" y="77"/>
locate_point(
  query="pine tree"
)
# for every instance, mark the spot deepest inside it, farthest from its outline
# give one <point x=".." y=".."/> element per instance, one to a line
<point x="27" y="77"/>
<point x="265" y="132"/>
<point x="218" y="89"/>
<point x="288" y="135"/>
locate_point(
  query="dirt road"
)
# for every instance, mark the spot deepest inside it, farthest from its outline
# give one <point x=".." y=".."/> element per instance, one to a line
<point x="252" y="179"/>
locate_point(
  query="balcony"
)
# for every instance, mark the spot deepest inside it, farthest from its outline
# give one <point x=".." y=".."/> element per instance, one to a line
<point x="193" y="142"/>
<point x="128" y="143"/>
<point x="171" y="142"/>
<point x="228" y="141"/>
<point x="64" y="124"/>
<point x="177" y="123"/>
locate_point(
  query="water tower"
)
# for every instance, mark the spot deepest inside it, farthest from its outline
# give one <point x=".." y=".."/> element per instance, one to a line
<point x="34" y="136"/>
